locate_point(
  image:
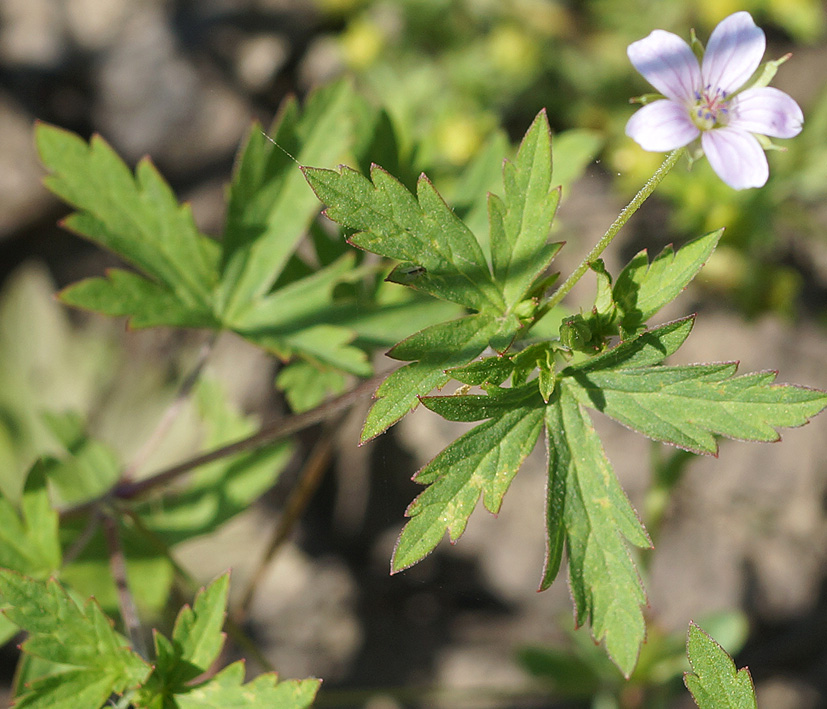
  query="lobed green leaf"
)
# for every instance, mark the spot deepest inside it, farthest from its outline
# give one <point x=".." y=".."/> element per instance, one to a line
<point x="643" y="288"/>
<point x="481" y="463"/>
<point x="589" y="514"/>
<point x="440" y="255"/>
<point x="62" y="632"/>
<point x="714" y="681"/>
<point x="227" y="691"/>
<point x="688" y="405"/>
<point x="136" y="217"/>
<point x="521" y="221"/>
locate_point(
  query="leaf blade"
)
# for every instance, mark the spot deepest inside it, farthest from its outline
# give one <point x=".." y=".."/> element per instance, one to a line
<point x="714" y="682"/>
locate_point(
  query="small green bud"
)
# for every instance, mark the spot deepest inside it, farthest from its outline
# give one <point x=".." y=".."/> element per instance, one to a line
<point x="575" y="332"/>
<point x="525" y="309"/>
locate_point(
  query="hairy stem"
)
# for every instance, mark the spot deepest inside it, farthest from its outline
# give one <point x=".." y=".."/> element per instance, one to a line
<point x="611" y="232"/>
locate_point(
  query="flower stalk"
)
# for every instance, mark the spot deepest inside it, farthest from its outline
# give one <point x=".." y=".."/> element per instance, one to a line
<point x="607" y="238"/>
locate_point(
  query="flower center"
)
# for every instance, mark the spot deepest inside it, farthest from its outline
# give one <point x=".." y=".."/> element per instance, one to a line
<point x="710" y="110"/>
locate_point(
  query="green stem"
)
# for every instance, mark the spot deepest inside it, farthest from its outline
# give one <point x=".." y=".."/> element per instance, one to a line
<point x="611" y="232"/>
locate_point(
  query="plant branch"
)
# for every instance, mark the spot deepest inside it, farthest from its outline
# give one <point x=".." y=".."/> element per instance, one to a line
<point x="117" y="565"/>
<point x="172" y="411"/>
<point x="282" y="427"/>
<point x="611" y="232"/>
<point x="308" y="481"/>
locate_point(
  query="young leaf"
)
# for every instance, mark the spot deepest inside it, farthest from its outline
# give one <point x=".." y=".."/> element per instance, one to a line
<point x="138" y="218"/>
<point x="435" y="349"/>
<point x="642" y="288"/>
<point x="62" y="632"/>
<point x="641" y="350"/>
<point x="440" y="255"/>
<point x="269" y="204"/>
<point x="306" y="386"/>
<point x="482" y="462"/>
<point x="226" y="689"/>
<point x="588" y="510"/>
<point x="520" y="223"/>
<point x="195" y="645"/>
<point x="714" y="682"/>
<point x="687" y="405"/>
<point x="197" y="631"/>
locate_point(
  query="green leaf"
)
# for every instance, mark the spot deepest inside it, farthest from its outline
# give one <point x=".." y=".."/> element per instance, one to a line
<point x="197" y="631"/>
<point x="270" y="206"/>
<point x="520" y="223"/>
<point x="216" y="492"/>
<point x="62" y="632"/>
<point x="296" y="320"/>
<point x="642" y="288"/>
<point x="714" y="682"/>
<point x="688" y="405"/>
<point x="306" y="386"/>
<point x="436" y="349"/>
<point x="72" y="689"/>
<point x="227" y="691"/>
<point x="481" y="463"/>
<point x="136" y="217"/>
<point x="440" y="255"/>
<point x="144" y="302"/>
<point x="28" y="539"/>
<point x="589" y="512"/>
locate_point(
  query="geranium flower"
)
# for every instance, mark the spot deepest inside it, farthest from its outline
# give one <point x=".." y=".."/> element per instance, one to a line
<point x="708" y="100"/>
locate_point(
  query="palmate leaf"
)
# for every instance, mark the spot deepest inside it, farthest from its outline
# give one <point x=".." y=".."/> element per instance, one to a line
<point x="60" y="631"/>
<point x="588" y="515"/>
<point x="270" y="206"/>
<point x="714" y="682"/>
<point x="440" y="255"/>
<point x="139" y="218"/>
<point x="688" y="405"/>
<point x="186" y="279"/>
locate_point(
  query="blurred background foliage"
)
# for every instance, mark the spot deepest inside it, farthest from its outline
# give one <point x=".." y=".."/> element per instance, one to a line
<point x="452" y="71"/>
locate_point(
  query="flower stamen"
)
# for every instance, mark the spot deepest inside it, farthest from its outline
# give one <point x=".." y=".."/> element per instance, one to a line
<point x="711" y="108"/>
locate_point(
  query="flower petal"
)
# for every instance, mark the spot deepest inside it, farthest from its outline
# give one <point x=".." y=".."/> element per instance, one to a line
<point x="734" y="52"/>
<point x="667" y="62"/>
<point x="736" y="156"/>
<point x="767" y="111"/>
<point x="661" y="126"/>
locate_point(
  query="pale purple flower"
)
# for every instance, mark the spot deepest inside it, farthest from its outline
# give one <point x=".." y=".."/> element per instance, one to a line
<point x="704" y="100"/>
